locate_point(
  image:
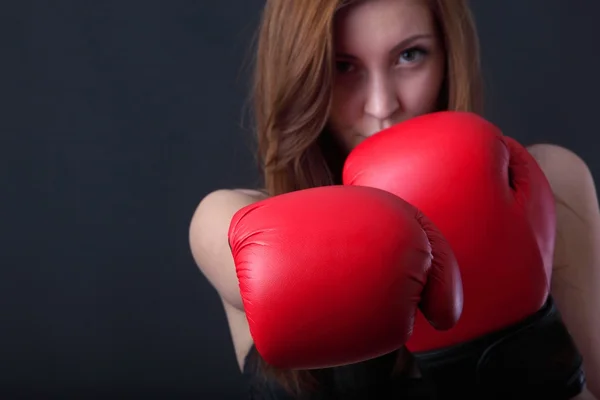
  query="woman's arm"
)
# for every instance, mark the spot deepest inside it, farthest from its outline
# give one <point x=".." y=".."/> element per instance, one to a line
<point x="209" y="244"/>
<point x="585" y="395"/>
<point x="576" y="273"/>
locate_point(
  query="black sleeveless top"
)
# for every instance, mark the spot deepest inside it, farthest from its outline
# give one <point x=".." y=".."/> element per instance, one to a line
<point x="367" y="380"/>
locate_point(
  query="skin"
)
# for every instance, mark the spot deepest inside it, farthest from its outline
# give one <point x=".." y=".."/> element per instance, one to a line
<point x="390" y="66"/>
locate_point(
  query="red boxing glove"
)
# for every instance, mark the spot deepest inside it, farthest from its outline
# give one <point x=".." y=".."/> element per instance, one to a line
<point x="334" y="275"/>
<point x="488" y="197"/>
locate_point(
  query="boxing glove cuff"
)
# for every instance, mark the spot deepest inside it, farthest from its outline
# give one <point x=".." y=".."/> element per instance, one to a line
<point x="536" y="358"/>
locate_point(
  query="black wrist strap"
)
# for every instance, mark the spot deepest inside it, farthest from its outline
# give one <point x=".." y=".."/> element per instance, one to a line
<point x="533" y="359"/>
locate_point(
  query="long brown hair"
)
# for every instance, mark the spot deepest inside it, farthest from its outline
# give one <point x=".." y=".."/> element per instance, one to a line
<point x="292" y="92"/>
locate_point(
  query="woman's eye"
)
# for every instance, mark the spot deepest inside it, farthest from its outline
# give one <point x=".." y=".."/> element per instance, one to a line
<point x="411" y="55"/>
<point x="344" y="67"/>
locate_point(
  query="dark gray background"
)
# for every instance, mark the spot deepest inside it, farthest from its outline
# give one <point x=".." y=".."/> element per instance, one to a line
<point x="118" y="116"/>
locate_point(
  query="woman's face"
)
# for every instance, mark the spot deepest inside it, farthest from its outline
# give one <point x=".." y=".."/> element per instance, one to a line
<point x="390" y="66"/>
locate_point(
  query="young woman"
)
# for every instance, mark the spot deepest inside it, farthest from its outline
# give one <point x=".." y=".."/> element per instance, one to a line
<point x="330" y="73"/>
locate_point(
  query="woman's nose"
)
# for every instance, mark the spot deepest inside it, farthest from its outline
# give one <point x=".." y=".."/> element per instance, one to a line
<point x="382" y="101"/>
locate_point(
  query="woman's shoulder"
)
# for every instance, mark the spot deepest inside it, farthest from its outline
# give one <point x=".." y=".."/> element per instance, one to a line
<point x="569" y="176"/>
<point x="225" y="201"/>
<point x="214" y="212"/>
<point x="208" y="232"/>
<point x="256" y="194"/>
